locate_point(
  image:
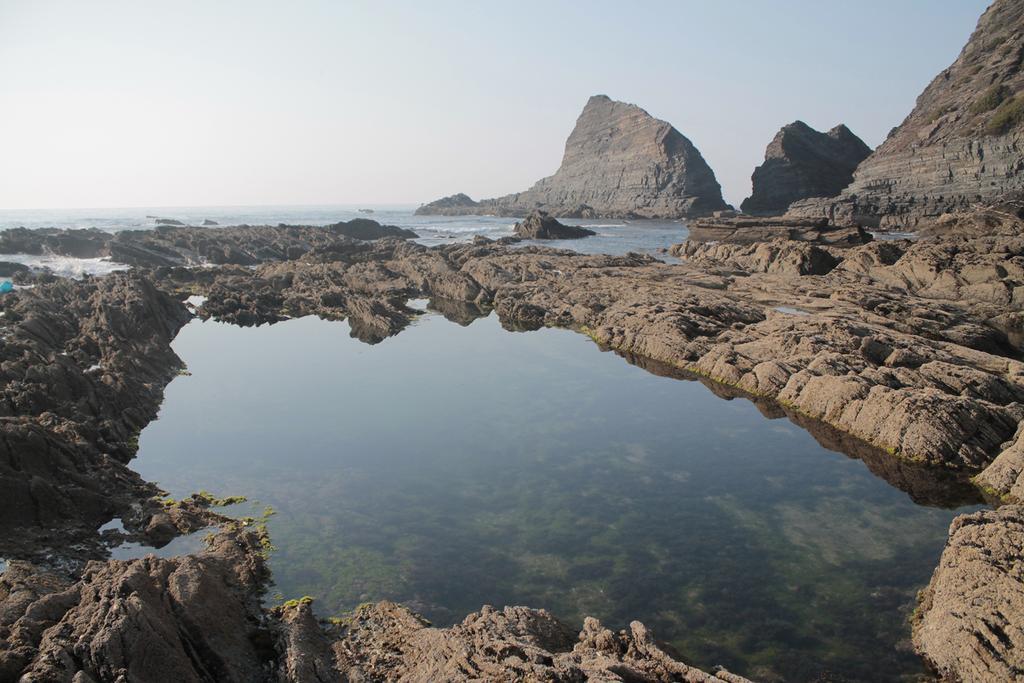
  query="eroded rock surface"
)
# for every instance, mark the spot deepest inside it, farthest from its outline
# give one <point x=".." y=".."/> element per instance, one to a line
<point x="619" y="161"/>
<point x="968" y="625"/>
<point x="82" y="370"/>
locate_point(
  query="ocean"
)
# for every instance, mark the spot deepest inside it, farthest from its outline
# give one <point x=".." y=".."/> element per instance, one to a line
<point x="613" y="236"/>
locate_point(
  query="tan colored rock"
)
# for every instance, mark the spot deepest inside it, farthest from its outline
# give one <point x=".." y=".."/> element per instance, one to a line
<point x="968" y="625"/>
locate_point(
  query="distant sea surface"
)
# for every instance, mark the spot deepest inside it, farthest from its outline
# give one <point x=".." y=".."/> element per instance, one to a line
<point x="613" y="236"/>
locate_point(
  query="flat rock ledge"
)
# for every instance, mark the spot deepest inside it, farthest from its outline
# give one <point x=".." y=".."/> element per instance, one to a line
<point x="968" y="625"/>
<point x="749" y="229"/>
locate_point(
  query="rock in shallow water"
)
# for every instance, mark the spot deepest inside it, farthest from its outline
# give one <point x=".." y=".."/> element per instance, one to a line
<point x="540" y="226"/>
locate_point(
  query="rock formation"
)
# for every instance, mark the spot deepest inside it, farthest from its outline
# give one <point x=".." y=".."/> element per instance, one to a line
<point x="801" y="162"/>
<point x="453" y="205"/>
<point x="901" y="347"/>
<point x="540" y="226"/>
<point x="963" y="142"/>
<point x="968" y="625"/>
<point x="178" y="245"/>
<point x="619" y="161"/>
<point x="747" y="230"/>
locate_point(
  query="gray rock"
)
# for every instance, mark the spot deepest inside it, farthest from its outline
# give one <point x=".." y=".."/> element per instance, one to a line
<point x="8" y="269"/>
<point x="801" y="162"/>
<point x="747" y="230"/>
<point x="619" y="161"/>
<point x="366" y="229"/>
<point x="453" y="205"/>
<point x="962" y="143"/>
<point x="540" y="226"/>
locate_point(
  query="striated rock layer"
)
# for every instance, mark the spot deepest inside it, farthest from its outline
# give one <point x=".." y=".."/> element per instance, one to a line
<point x="962" y="143"/>
<point x="748" y="230"/>
<point x="969" y="622"/>
<point x="801" y="162"/>
<point x="619" y="161"/>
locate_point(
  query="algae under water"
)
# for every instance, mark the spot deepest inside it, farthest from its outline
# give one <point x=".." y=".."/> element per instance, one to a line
<point x="454" y="466"/>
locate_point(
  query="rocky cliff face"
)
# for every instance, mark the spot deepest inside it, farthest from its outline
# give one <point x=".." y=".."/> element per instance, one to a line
<point x="962" y="143"/>
<point x="619" y="161"/>
<point x="801" y="162"/>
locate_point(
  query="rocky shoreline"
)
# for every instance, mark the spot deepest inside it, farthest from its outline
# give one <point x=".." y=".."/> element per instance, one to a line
<point x="903" y="353"/>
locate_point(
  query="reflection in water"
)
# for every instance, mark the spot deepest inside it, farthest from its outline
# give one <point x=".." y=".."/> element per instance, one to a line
<point x="925" y="485"/>
<point x="450" y="467"/>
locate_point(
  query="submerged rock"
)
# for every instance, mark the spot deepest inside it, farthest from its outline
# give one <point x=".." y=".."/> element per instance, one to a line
<point x="540" y="226"/>
<point x="619" y="161"/>
<point x="801" y="162"/>
<point x="199" y="618"/>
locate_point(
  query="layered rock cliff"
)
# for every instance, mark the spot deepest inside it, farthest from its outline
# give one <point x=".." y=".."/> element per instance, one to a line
<point x="801" y="162"/>
<point x="619" y="161"/>
<point x="962" y="143"/>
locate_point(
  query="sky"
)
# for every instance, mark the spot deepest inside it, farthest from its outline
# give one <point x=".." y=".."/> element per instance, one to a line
<point x="199" y="103"/>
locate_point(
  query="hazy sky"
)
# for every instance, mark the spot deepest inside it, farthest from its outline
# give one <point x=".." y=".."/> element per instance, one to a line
<point x="106" y="104"/>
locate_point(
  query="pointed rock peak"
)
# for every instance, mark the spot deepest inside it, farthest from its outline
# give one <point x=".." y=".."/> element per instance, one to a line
<point x="801" y="162"/>
<point x="602" y="105"/>
<point x="619" y="161"/>
<point x="798" y="125"/>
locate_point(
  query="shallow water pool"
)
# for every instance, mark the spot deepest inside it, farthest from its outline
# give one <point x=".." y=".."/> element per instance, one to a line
<point x="453" y="466"/>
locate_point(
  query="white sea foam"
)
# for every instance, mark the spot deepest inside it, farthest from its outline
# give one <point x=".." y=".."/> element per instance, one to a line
<point x="66" y="266"/>
<point x="195" y="302"/>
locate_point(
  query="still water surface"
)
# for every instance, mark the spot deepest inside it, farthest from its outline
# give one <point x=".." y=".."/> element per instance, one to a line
<point x="451" y="466"/>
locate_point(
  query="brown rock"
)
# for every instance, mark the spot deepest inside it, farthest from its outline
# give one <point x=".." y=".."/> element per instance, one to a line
<point x="540" y="226"/>
<point x="968" y="624"/>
